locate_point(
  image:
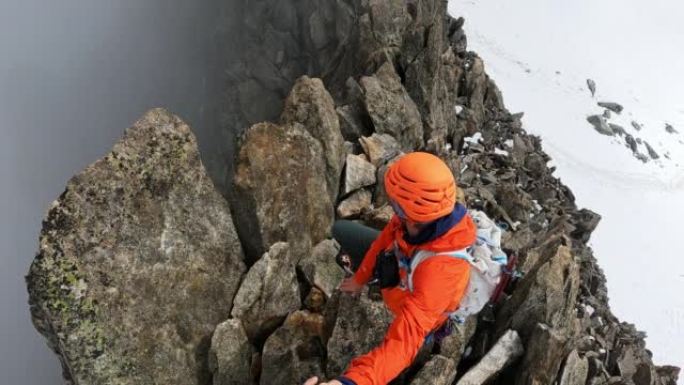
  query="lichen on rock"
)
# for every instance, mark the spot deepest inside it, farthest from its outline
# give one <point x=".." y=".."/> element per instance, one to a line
<point x="138" y="262"/>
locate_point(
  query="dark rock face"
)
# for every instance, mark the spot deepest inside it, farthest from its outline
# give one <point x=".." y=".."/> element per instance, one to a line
<point x="138" y="262"/>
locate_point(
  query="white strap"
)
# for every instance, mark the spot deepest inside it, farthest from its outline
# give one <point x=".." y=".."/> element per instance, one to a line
<point x="422" y="255"/>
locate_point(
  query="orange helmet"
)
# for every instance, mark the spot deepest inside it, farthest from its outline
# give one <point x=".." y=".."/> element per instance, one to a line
<point x="422" y="185"/>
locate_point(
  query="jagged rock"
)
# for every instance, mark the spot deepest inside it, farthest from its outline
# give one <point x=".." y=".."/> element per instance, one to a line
<point x="310" y="104"/>
<point x="600" y="125"/>
<point x="544" y="354"/>
<point x="606" y="113"/>
<point x="636" y="125"/>
<point x="230" y="355"/>
<point x="379" y="217"/>
<point x="668" y="375"/>
<point x="391" y="108"/>
<point x="320" y="268"/>
<point x="592" y="87"/>
<point x="575" y="370"/>
<point x="138" y="262"/>
<point x="642" y="157"/>
<point x="315" y="301"/>
<point x="439" y="370"/>
<point x="585" y="222"/>
<point x="670" y="129"/>
<point x="358" y="173"/>
<point x="294" y="352"/>
<point x="505" y="351"/>
<point x="380" y="197"/>
<point x="615" y="107"/>
<point x="360" y="326"/>
<point x="476" y="87"/>
<point x="280" y="190"/>
<point x="453" y="345"/>
<point x="651" y="152"/>
<point x="546" y="294"/>
<point x="431" y="73"/>
<point x="631" y="143"/>
<point x="355" y="204"/>
<point x="382" y="29"/>
<point x="618" y="129"/>
<point x="271" y="277"/>
<point x="380" y="148"/>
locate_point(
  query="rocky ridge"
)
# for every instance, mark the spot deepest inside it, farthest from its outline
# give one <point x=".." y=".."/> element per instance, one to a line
<point x="141" y="275"/>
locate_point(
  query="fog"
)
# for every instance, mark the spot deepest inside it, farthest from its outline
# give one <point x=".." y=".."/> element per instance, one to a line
<point x="73" y="75"/>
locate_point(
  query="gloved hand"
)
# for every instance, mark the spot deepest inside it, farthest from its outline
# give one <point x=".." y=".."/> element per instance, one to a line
<point x="314" y="381"/>
<point x="350" y="286"/>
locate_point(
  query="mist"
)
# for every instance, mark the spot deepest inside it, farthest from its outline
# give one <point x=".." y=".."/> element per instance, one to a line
<point x="73" y="75"/>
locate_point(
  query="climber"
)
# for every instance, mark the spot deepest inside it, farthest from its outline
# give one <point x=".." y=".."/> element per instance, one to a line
<point x="422" y="192"/>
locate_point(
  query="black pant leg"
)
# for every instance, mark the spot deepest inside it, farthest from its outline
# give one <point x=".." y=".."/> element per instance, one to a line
<point x="354" y="238"/>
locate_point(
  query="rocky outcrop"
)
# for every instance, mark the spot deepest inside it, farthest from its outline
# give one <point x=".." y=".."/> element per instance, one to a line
<point x="391" y="109"/>
<point x="310" y="104"/>
<point x="612" y="106"/>
<point x="600" y="125"/>
<point x="138" y="262"/>
<point x="281" y="191"/>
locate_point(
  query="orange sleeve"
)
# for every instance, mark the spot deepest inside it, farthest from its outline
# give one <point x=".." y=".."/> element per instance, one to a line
<point x="439" y="282"/>
<point x="365" y="270"/>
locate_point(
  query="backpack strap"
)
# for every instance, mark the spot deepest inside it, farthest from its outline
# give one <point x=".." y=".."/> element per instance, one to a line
<point x="422" y="255"/>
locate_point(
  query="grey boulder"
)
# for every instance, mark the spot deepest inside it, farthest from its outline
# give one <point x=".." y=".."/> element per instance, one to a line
<point x="320" y="269"/>
<point x="391" y="108"/>
<point x="310" y="104"/>
<point x="358" y="173"/>
<point x="231" y="354"/>
<point x="138" y="262"/>
<point x="272" y="277"/>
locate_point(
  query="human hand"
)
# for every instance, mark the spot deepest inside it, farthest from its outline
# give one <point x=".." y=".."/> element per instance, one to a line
<point x="350" y="286"/>
<point x="314" y="381"/>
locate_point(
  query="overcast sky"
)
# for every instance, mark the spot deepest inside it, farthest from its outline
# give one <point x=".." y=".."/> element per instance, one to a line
<point x="73" y="75"/>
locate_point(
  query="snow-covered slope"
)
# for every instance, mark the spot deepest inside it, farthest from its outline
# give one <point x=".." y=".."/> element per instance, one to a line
<point x="541" y="54"/>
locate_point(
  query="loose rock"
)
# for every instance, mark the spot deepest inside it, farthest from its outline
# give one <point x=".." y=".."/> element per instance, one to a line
<point x="273" y="276"/>
<point x="358" y="173"/>
<point x="615" y="107"/>
<point x="355" y="204"/>
<point x="230" y="355"/>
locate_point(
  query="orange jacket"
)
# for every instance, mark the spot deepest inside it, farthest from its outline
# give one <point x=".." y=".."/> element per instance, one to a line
<point x="439" y="284"/>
